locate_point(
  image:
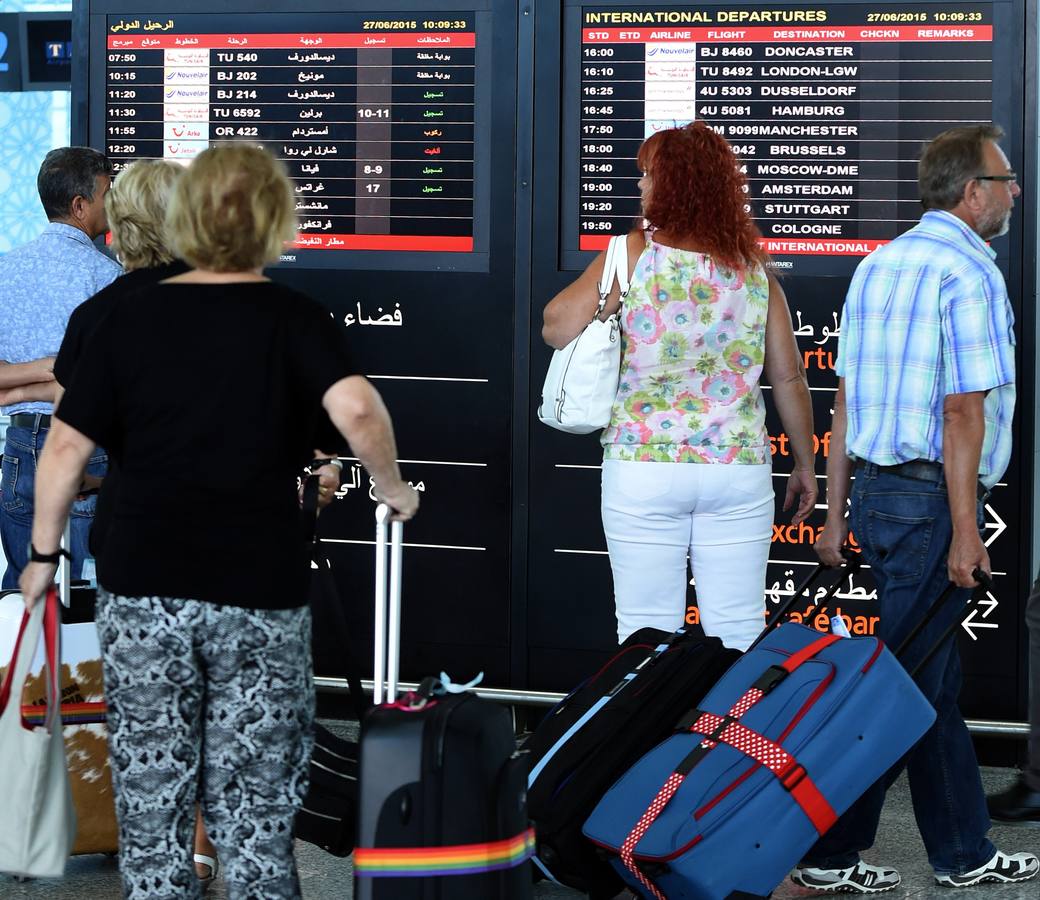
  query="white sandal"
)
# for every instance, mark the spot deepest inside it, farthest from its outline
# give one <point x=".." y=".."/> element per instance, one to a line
<point x="213" y="865"/>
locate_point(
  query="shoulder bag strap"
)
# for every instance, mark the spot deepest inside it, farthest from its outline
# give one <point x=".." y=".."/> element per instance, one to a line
<point x="621" y="265"/>
<point x="615" y="265"/>
<point x="44" y="616"/>
<point x="322" y="571"/>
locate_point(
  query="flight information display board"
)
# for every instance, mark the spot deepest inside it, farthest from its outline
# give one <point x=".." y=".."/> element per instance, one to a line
<point x="374" y="114"/>
<point x="826" y="106"/>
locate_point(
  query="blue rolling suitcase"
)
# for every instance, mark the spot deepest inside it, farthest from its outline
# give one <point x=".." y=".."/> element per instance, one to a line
<point x="776" y="751"/>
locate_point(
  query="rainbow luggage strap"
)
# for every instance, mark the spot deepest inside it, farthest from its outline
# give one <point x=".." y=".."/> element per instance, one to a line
<point x="458" y="859"/>
<point x="71" y="714"/>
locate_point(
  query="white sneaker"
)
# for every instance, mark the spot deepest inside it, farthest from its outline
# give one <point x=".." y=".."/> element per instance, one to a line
<point x="861" y="878"/>
<point x="1004" y="867"/>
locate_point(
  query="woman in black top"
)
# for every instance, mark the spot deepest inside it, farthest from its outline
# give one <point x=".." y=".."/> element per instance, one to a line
<point x="205" y="389"/>
<point x="136" y="206"/>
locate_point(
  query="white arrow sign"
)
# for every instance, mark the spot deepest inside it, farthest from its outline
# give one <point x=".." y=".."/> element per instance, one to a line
<point x="998" y="525"/>
<point x="990" y="602"/>
<point x="969" y="624"/>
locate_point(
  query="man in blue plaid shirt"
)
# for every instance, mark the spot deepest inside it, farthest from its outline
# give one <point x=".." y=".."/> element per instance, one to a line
<point x="926" y="362"/>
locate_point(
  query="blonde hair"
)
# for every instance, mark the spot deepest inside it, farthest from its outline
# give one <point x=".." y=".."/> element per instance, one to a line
<point x="233" y="210"/>
<point x="136" y="206"/>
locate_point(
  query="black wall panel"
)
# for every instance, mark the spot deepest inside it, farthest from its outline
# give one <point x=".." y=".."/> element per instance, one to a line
<point x="506" y="570"/>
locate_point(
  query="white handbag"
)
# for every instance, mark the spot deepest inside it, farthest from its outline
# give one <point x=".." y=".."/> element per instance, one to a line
<point x="582" y="381"/>
<point x="39" y="818"/>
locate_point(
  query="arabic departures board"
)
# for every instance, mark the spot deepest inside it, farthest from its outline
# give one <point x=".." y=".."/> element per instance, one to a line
<point x="383" y="114"/>
<point x="373" y="115"/>
<point x="827" y="106"/>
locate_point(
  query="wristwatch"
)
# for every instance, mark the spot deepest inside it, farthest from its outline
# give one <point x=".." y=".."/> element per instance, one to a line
<point x="52" y="558"/>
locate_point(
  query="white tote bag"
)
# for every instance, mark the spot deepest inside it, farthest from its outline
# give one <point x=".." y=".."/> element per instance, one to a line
<point x="39" y="819"/>
<point x="582" y="381"/>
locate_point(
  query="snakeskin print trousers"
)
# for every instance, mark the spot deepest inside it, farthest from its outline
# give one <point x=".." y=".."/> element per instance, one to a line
<point x="212" y="704"/>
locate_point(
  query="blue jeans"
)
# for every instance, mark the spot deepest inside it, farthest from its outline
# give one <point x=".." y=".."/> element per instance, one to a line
<point x="903" y="526"/>
<point x="21" y="452"/>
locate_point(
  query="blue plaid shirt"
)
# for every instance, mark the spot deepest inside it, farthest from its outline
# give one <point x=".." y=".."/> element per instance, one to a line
<point x="41" y="283"/>
<point x="927" y="315"/>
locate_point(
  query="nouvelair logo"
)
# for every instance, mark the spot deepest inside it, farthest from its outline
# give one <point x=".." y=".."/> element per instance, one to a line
<point x="683" y="51"/>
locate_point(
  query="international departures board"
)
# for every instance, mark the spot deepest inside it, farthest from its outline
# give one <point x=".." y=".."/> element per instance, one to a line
<point x="827" y="107"/>
<point x="454" y="168"/>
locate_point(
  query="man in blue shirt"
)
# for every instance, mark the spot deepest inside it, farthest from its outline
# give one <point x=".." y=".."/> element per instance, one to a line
<point x="923" y="411"/>
<point x="40" y="284"/>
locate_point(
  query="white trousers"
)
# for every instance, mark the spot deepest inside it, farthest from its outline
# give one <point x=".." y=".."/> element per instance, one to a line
<point x="654" y="514"/>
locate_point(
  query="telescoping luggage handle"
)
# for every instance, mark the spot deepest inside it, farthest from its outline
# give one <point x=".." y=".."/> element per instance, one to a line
<point x="852" y="563"/>
<point x="64" y="573"/>
<point x="388" y="606"/>
<point x="985" y="583"/>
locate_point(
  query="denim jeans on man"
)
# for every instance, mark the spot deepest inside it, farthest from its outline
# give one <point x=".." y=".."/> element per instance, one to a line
<point x="21" y="451"/>
<point x="903" y="526"/>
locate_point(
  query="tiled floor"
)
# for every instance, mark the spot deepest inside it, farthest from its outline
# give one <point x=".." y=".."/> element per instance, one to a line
<point x="325" y="877"/>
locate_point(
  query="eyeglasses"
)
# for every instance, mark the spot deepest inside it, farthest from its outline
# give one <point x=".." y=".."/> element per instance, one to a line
<point x="1011" y="176"/>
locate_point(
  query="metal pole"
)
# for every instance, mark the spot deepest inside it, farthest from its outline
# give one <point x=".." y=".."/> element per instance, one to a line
<point x="987" y="727"/>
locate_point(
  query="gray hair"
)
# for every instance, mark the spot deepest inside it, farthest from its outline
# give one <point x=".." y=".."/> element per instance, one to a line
<point x="950" y="161"/>
<point x="67" y="173"/>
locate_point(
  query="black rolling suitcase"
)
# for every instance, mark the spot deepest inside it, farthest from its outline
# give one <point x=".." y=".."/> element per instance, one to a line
<point x="607" y="724"/>
<point x="441" y="811"/>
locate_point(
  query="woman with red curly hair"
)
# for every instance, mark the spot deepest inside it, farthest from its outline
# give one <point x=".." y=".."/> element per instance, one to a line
<point x="686" y="456"/>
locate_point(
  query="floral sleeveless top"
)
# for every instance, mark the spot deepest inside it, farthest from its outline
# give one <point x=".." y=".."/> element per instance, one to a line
<point x="692" y="349"/>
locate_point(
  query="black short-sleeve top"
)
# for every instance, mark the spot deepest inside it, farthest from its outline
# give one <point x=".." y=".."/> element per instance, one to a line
<point x="207" y="397"/>
<point x="86" y="317"/>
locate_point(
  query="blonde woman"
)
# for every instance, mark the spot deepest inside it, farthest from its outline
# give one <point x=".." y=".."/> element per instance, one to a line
<point x="136" y="206"/>
<point x="205" y="388"/>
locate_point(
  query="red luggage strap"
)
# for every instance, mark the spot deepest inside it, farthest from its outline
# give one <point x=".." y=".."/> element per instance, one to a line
<point x="727" y="730"/>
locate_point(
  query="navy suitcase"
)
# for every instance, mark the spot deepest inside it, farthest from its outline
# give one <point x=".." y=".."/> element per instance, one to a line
<point x="608" y="722"/>
<point x="441" y="809"/>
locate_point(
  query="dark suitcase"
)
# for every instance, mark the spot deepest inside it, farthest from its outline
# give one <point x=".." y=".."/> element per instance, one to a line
<point x="618" y="714"/>
<point x="608" y="723"/>
<point x="442" y="812"/>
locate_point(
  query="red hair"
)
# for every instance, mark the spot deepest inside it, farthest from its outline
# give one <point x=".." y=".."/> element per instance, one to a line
<point x="698" y="194"/>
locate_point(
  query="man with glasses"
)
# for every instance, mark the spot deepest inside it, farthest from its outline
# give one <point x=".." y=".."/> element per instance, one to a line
<point x="922" y="416"/>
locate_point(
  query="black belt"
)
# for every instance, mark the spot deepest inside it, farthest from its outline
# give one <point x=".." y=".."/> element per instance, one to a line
<point x="32" y="421"/>
<point x="919" y="470"/>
